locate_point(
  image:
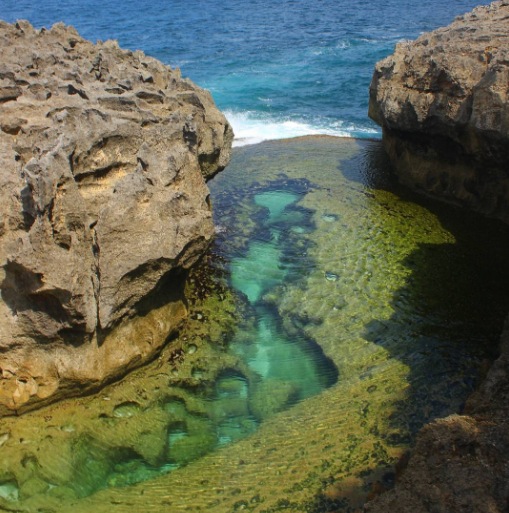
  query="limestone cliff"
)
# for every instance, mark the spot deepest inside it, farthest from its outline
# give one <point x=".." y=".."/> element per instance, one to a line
<point x="104" y="156"/>
<point x="442" y="102"/>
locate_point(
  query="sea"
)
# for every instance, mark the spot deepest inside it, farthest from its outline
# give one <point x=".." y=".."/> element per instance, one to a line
<point x="278" y="69"/>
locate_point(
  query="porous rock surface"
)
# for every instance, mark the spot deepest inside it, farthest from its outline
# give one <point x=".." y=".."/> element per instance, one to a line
<point x="442" y="102"/>
<point x="460" y="463"/>
<point x="104" y="156"/>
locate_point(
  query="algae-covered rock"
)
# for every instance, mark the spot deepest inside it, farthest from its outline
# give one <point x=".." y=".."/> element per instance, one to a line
<point x="156" y="419"/>
<point x="271" y="396"/>
<point x="191" y="447"/>
<point x="33" y="486"/>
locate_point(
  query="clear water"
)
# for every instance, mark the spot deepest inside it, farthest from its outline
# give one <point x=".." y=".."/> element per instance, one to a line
<point x="278" y="69"/>
<point x="339" y="313"/>
<point x="286" y="361"/>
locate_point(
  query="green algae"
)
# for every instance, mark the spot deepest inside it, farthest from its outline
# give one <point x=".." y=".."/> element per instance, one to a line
<point x="404" y="296"/>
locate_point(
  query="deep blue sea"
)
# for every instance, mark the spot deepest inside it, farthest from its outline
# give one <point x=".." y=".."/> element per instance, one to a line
<point x="277" y="69"/>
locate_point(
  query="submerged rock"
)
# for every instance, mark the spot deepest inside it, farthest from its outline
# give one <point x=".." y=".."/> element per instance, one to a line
<point x="442" y="102"/>
<point x="272" y="396"/>
<point x="104" y="156"/>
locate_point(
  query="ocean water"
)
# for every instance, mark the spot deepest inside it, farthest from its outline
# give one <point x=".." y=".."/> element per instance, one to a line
<point x="277" y="69"/>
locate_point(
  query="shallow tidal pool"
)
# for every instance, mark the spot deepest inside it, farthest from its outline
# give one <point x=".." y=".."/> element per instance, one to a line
<point x="342" y="313"/>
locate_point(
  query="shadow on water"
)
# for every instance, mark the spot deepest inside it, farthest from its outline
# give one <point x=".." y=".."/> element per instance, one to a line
<point x="409" y="311"/>
<point x="289" y="364"/>
<point x="447" y="317"/>
<point x="366" y="311"/>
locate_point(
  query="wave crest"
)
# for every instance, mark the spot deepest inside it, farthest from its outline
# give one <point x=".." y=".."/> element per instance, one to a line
<point x="253" y="128"/>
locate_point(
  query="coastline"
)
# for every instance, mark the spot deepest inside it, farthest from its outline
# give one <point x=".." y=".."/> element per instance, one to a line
<point x="260" y="135"/>
<point x="127" y="430"/>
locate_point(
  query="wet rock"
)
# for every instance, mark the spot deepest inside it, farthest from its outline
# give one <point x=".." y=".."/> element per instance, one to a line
<point x="442" y="102"/>
<point x="104" y="157"/>
<point x="232" y="386"/>
<point x="33" y="486"/>
<point x="137" y="432"/>
<point x="272" y="396"/>
<point x="459" y="462"/>
<point x="191" y="447"/>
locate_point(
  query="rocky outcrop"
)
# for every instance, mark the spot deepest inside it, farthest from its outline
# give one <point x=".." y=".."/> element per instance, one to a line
<point x="104" y="157"/>
<point x="461" y="462"/>
<point x="442" y="102"/>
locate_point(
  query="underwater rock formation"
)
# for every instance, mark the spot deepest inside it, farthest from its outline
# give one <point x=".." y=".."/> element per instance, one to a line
<point x="104" y="155"/>
<point x="442" y="102"/>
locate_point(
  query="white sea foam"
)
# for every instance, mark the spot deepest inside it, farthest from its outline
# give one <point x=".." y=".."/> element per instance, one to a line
<point x="251" y="128"/>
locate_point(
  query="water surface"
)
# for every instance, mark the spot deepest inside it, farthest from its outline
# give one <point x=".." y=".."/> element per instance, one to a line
<point x="336" y="314"/>
<point x="278" y="69"/>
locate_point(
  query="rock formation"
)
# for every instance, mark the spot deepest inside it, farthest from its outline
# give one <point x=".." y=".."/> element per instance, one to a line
<point x="104" y="157"/>
<point x="461" y="462"/>
<point x="442" y="102"/>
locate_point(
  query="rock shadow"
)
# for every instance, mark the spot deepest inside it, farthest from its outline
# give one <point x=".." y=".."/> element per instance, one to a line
<point x="458" y="291"/>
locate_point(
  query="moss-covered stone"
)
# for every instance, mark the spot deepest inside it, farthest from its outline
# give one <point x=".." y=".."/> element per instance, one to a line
<point x="271" y="396"/>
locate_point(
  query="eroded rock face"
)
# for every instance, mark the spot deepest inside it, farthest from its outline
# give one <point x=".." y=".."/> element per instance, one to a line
<point x="443" y="104"/>
<point x="442" y="101"/>
<point x="104" y="156"/>
<point x="460" y="463"/>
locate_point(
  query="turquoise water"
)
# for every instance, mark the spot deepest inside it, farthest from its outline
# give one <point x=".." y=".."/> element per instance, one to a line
<point x="365" y="312"/>
<point x="278" y="69"/>
<point x="339" y="313"/>
<point x="287" y="360"/>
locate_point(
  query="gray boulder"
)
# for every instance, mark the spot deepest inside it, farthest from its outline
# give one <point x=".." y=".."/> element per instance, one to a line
<point x="104" y="155"/>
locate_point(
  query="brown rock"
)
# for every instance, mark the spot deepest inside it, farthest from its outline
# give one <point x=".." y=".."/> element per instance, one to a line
<point x="460" y="463"/>
<point x="442" y="102"/>
<point x="104" y="156"/>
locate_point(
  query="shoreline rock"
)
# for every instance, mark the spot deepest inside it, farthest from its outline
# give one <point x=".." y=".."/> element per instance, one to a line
<point x="442" y="102"/>
<point x="105" y="155"/>
<point x="460" y="462"/>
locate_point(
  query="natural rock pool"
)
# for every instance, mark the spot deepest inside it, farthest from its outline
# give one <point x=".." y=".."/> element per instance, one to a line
<point x="335" y="315"/>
